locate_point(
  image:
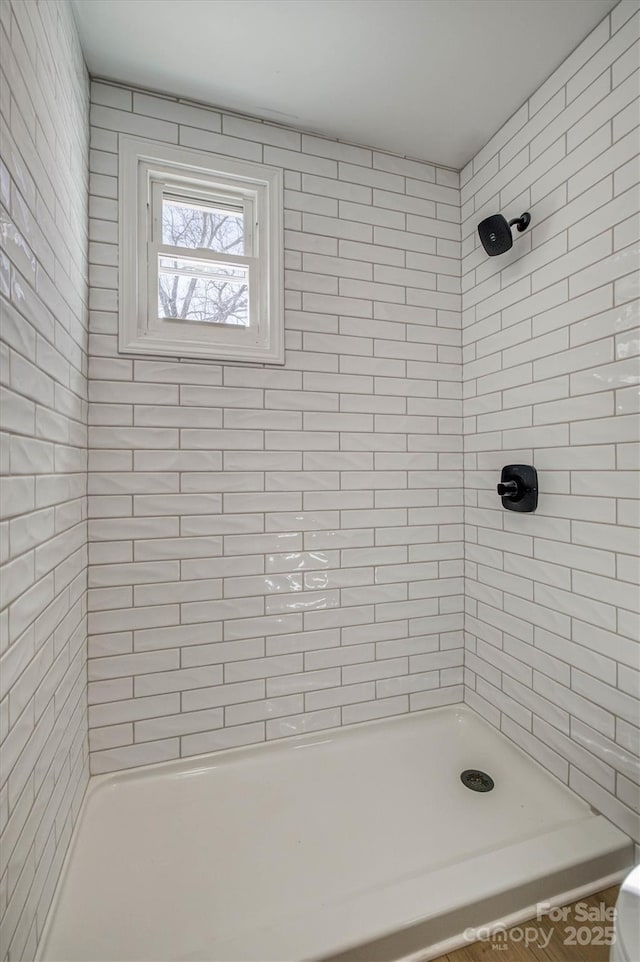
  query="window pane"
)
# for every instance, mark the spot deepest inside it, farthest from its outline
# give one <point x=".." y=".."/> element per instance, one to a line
<point x="189" y="297"/>
<point x="193" y="267"/>
<point x="202" y="226"/>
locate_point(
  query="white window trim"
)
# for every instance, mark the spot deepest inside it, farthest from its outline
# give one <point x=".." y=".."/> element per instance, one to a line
<point x="140" y="331"/>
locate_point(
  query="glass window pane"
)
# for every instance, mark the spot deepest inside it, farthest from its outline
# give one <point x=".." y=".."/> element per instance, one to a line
<point x="202" y="226"/>
<point x="193" y="298"/>
<point x="194" y="267"/>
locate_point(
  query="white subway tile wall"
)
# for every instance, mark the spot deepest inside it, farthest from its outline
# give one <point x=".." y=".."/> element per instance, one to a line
<point x="44" y="107"/>
<point x="276" y="550"/>
<point x="551" y="374"/>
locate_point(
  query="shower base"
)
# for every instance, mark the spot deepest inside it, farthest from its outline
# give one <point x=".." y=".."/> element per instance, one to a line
<point x="360" y="843"/>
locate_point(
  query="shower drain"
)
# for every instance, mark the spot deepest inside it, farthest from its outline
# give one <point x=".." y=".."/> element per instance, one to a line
<point x="477" y="781"/>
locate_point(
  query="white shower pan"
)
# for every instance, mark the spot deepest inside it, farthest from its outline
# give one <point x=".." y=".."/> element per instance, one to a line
<point x="359" y="843"/>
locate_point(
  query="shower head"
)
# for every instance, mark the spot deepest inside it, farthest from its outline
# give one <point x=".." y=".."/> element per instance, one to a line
<point x="495" y="232"/>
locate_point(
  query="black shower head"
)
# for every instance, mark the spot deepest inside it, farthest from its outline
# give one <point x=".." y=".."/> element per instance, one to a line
<point x="495" y="232"/>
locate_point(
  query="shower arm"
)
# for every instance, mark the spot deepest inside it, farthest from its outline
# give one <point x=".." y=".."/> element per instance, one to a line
<point x="521" y="222"/>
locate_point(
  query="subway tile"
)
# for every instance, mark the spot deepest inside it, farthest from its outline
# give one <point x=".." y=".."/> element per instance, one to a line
<point x="217" y="143"/>
<point x="538" y="749"/>
<point x="176" y="112"/>
<point x="132" y="709"/>
<point x="221" y="695"/>
<point x="178" y="680"/>
<point x="357" y="174"/>
<point x="123" y="121"/>
<point x="308" y="722"/>
<point x="171" y="726"/>
<point x="217" y="740"/>
<point x="131" y="756"/>
<point x="261" y="132"/>
<point x="266" y="710"/>
<point x="380" y="708"/>
<point x="610" y="807"/>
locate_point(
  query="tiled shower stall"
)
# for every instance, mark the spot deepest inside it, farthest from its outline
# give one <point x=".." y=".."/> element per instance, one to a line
<point x="276" y="550"/>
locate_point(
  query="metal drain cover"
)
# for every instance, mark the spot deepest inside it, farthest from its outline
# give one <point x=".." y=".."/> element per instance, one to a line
<point x="476" y="780"/>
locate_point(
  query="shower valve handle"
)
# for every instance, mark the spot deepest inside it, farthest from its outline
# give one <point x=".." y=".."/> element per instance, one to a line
<point x="508" y="489"/>
<point x="518" y="487"/>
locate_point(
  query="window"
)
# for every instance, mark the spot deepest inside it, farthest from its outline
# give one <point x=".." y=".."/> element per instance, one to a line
<point x="200" y="254"/>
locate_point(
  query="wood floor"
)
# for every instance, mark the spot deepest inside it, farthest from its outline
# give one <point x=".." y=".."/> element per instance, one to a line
<point x="549" y="941"/>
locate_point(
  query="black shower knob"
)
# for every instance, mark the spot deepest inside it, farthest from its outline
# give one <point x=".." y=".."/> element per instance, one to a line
<point x="518" y="487"/>
<point x="508" y="489"/>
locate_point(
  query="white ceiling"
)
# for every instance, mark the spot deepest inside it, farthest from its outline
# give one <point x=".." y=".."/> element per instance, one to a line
<point x="433" y="79"/>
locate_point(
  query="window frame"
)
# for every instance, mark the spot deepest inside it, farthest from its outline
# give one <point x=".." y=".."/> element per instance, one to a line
<point x="149" y="171"/>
